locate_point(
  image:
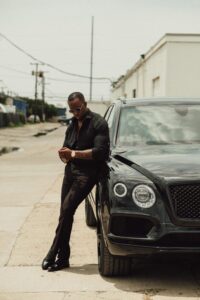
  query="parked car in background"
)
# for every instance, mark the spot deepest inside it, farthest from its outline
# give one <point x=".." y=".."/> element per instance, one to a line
<point x="150" y="202"/>
<point x="63" y="120"/>
<point x="32" y="119"/>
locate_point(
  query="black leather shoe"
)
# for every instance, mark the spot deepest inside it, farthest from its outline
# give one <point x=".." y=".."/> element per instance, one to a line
<point x="47" y="263"/>
<point x="58" y="265"/>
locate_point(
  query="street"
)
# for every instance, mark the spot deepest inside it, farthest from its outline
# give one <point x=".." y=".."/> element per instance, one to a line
<point x="31" y="179"/>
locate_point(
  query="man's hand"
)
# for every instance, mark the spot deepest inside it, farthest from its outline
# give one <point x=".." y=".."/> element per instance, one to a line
<point x="64" y="154"/>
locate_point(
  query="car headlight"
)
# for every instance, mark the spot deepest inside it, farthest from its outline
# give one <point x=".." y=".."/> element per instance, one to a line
<point x="120" y="189"/>
<point x="143" y="196"/>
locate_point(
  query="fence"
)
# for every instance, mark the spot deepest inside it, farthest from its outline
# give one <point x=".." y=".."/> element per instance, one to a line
<point x="11" y="119"/>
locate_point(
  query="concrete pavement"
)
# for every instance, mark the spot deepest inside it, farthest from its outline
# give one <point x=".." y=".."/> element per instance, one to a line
<point x="30" y="181"/>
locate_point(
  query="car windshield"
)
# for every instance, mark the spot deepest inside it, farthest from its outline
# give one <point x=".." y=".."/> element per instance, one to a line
<point x="164" y="124"/>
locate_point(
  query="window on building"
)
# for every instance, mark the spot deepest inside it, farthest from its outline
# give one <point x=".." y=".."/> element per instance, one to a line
<point x="156" y="86"/>
<point x="134" y="93"/>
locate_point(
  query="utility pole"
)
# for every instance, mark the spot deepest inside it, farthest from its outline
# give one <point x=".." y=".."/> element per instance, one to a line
<point x="2" y="87"/>
<point x="43" y="97"/>
<point x="2" y="90"/>
<point x="36" y="83"/>
<point x="91" y="58"/>
<point x="36" y="74"/>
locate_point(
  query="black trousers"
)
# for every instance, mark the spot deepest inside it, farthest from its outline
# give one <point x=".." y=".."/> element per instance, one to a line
<point x="75" y="187"/>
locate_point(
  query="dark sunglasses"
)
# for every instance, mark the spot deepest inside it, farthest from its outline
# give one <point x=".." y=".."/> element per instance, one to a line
<point x="78" y="109"/>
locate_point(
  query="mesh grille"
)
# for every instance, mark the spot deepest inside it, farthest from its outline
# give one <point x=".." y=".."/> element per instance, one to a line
<point x="186" y="200"/>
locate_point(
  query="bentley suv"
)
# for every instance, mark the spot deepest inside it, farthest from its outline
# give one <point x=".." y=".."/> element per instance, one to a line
<point x="150" y="201"/>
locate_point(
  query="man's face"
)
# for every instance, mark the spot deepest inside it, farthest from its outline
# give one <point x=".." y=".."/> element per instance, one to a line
<point x="77" y="108"/>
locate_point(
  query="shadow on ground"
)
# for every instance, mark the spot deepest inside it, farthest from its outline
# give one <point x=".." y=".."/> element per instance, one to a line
<point x="165" y="276"/>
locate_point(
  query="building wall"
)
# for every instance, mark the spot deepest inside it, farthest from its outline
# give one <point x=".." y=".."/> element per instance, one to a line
<point x="130" y="85"/>
<point x="117" y="92"/>
<point x="21" y="106"/>
<point x="154" y="74"/>
<point x="170" y="68"/>
<point x="149" y="79"/>
<point x="183" y="69"/>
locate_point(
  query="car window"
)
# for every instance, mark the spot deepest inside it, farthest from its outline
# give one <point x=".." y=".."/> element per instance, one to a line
<point x="151" y="125"/>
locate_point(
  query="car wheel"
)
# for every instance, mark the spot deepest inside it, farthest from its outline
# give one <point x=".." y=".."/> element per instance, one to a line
<point x="108" y="264"/>
<point x="89" y="214"/>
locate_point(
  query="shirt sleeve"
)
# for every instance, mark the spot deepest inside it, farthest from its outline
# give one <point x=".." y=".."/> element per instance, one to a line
<point x="65" y="143"/>
<point x="101" y="147"/>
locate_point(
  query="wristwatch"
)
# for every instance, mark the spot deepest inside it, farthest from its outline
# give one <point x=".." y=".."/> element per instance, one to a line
<point x="73" y="154"/>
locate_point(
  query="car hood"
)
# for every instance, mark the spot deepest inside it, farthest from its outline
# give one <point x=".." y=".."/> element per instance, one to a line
<point x="168" y="161"/>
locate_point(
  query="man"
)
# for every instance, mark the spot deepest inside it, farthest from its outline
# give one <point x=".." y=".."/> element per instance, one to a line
<point x="85" y="150"/>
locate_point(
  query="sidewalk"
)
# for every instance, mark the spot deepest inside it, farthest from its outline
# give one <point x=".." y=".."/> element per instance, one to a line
<point x="18" y="135"/>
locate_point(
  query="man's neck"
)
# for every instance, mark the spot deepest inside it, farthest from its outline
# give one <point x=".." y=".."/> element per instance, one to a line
<point x="83" y="116"/>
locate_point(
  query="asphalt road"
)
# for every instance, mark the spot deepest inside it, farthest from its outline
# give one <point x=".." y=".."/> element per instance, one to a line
<point x="30" y="182"/>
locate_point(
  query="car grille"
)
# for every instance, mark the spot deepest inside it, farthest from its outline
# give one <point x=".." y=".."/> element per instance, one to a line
<point x="186" y="200"/>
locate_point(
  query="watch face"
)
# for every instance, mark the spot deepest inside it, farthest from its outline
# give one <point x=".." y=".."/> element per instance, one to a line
<point x="73" y="153"/>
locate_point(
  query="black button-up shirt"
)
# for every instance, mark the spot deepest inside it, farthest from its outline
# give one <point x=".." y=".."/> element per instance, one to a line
<point x="93" y="134"/>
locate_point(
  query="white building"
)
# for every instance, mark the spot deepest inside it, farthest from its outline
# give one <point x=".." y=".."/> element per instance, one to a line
<point x="170" y="68"/>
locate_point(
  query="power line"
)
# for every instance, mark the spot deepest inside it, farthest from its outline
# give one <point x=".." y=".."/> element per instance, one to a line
<point x="71" y="81"/>
<point x="15" y="70"/>
<point x="52" y="93"/>
<point x="49" y="65"/>
<point x="9" y="92"/>
<point x="49" y="78"/>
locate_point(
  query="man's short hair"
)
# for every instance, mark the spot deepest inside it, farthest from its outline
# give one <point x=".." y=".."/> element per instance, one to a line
<point x="78" y="95"/>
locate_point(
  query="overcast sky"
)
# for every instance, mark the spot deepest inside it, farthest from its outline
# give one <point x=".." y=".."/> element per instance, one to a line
<point x="59" y="31"/>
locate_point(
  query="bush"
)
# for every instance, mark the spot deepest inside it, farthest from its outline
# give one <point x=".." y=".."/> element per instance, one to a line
<point x="35" y="108"/>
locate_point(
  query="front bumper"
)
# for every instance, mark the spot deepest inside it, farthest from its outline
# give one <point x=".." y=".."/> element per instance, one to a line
<point x="163" y="237"/>
<point x="124" y="249"/>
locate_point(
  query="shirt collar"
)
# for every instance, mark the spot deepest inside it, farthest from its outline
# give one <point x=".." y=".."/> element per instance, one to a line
<point x="88" y="114"/>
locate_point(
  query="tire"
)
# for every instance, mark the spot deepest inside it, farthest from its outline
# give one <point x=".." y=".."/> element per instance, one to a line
<point x="108" y="264"/>
<point x="89" y="214"/>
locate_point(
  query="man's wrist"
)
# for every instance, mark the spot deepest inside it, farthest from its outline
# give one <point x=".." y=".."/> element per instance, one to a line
<point x="73" y="154"/>
<point x="82" y="154"/>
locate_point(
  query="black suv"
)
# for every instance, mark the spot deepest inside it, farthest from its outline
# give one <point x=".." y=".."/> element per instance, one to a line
<point x="150" y="201"/>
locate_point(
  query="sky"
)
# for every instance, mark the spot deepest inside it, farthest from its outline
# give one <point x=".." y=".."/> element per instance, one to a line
<point x="58" y="32"/>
